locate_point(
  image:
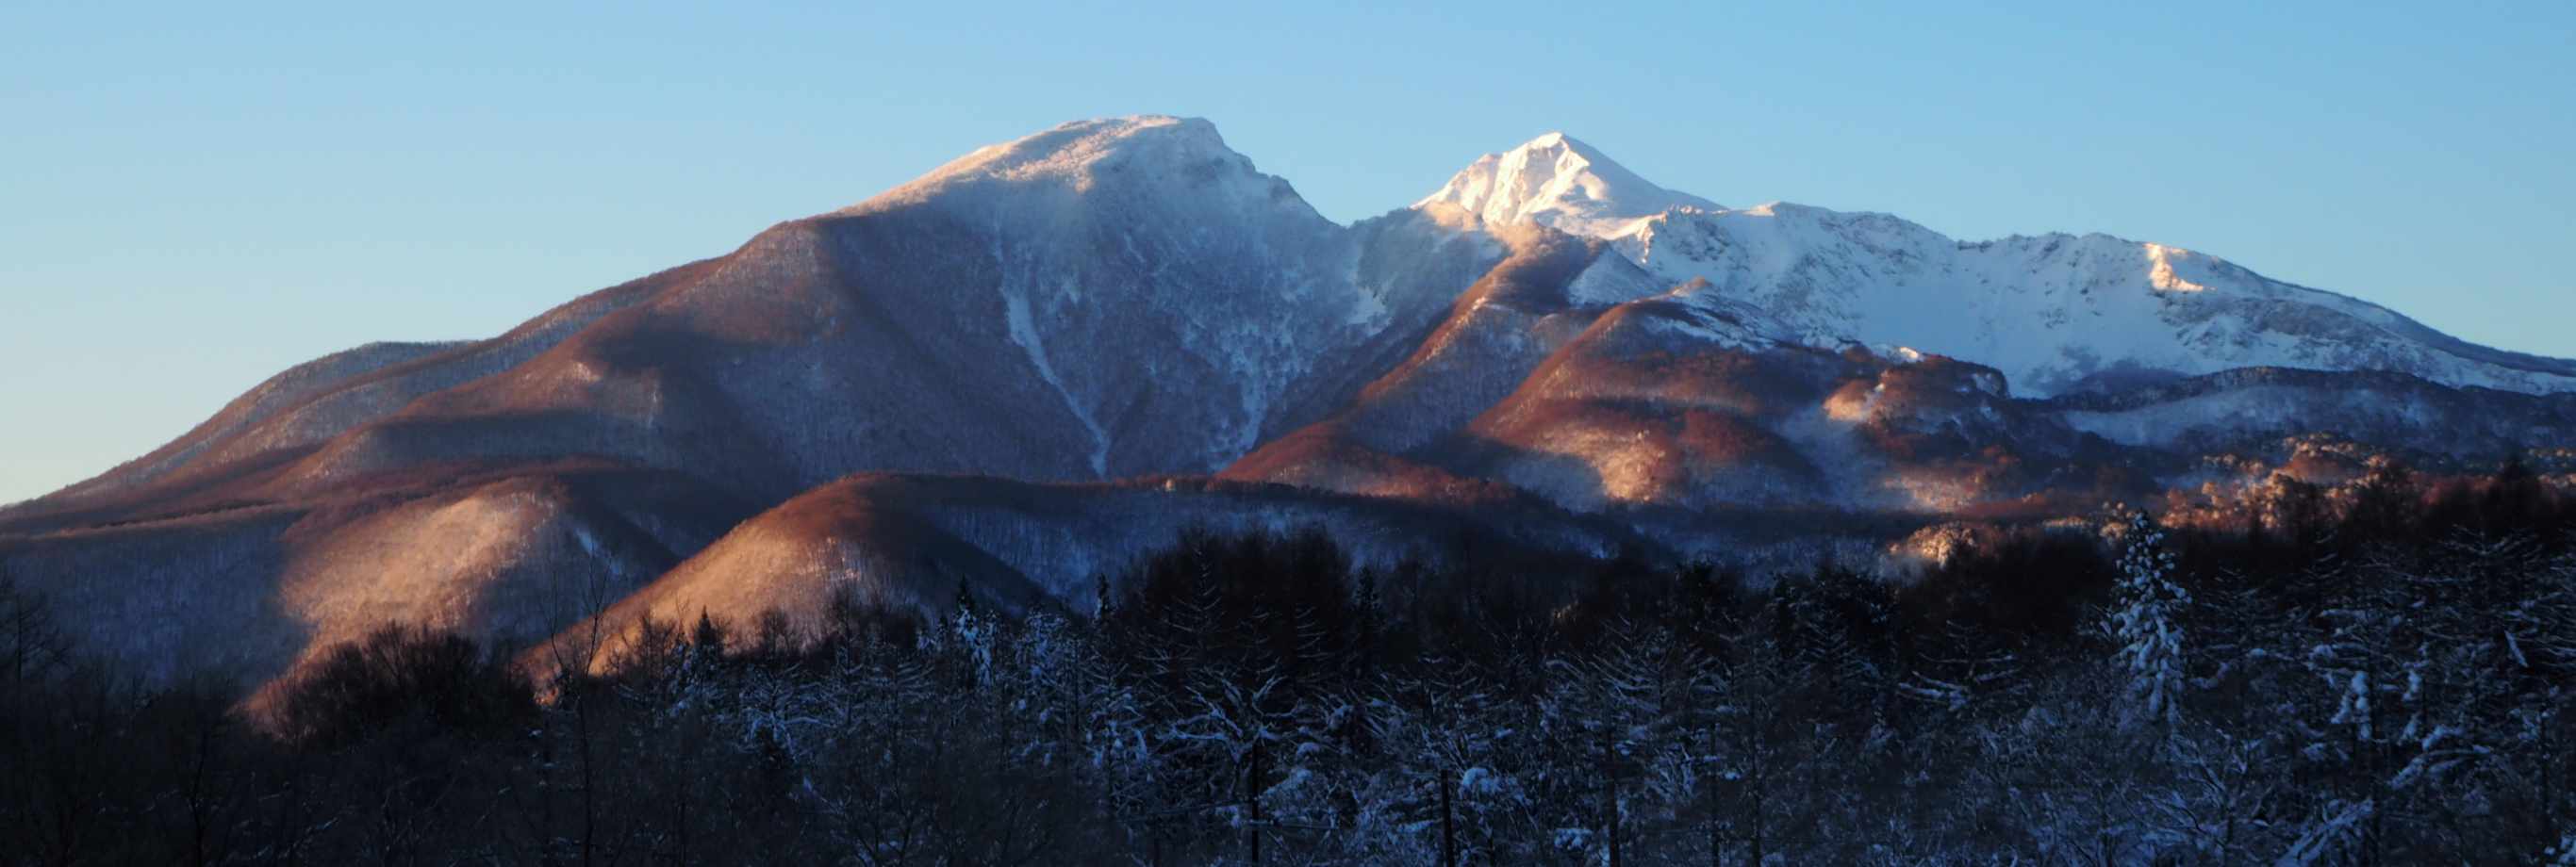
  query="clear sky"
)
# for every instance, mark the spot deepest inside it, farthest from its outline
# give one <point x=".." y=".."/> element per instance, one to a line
<point x="198" y="195"/>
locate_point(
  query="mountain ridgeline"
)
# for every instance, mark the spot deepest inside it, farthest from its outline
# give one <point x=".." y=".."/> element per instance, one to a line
<point x="1038" y="361"/>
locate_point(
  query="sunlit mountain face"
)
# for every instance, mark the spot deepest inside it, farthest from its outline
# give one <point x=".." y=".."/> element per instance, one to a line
<point x="1037" y="362"/>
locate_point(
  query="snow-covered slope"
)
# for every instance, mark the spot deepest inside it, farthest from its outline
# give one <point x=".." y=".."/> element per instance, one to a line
<point x="1144" y="244"/>
<point x="2228" y="411"/>
<point x="2056" y="313"/>
<point x="1561" y="183"/>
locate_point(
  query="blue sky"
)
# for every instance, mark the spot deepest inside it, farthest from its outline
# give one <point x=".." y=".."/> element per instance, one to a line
<point x="196" y="196"/>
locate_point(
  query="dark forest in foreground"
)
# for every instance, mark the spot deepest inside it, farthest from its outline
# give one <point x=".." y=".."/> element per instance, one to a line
<point x="2382" y="678"/>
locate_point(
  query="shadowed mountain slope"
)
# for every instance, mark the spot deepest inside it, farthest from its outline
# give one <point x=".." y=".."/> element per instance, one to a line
<point x="950" y="380"/>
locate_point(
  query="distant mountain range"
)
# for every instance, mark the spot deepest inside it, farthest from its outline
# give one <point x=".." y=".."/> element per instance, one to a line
<point x="1030" y="364"/>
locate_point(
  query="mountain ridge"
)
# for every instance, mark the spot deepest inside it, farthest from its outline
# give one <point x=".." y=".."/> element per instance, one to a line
<point x="1098" y="332"/>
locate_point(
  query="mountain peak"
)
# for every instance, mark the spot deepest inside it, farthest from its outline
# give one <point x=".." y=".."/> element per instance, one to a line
<point x="1155" y="149"/>
<point x="1550" y="139"/>
<point x="1558" y="181"/>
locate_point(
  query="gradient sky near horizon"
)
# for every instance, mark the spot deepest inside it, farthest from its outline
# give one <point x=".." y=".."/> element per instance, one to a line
<point x="199" y="195"/>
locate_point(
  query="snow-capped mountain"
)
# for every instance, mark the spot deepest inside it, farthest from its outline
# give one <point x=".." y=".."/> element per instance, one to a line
<point x="1101" y="300"/>
<point x="1104" y="299"/>
<point x="1561" y="183"/>
<point x="1548" y="352"/>
<point x="2056" y="313"/>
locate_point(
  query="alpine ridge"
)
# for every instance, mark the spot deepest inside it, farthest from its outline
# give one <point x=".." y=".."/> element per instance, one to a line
<point x="1049" y="354"/>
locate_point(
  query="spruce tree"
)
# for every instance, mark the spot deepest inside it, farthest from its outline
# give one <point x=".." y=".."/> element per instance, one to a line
<point x="2145" y="621"/>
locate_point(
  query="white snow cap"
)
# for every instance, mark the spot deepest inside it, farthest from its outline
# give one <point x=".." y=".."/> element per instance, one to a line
<point x="1558" y="181"/>
<point x="1172" y="152"/>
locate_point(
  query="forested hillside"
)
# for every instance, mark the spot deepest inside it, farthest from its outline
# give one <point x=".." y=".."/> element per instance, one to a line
<point x="2382" y="677"/>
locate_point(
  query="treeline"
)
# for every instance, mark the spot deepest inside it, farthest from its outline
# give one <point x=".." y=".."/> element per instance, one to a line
<point x="2383" y="679"/>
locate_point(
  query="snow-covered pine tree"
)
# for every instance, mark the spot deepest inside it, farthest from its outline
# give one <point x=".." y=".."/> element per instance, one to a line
<point x="972" y="636"/>
<point x="2145" y="621"/>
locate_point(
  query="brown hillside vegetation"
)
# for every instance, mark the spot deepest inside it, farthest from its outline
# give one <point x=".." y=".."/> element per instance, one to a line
<point x="910" y="543"/>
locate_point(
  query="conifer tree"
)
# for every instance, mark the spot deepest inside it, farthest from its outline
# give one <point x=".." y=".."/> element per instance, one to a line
<point x="2145" y="621"/>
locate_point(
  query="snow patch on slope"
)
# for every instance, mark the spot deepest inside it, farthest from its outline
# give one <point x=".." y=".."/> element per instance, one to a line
<point x="1024" y="332"/>
<point x="1150" y="272"/>
<point x="1611" y="280"/>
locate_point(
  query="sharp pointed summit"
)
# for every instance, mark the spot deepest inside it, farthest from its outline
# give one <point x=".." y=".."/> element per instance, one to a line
<point x="1558" y="181"/>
